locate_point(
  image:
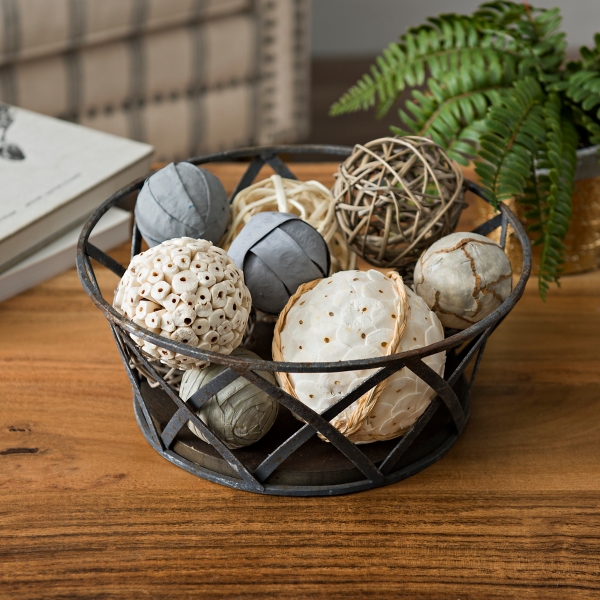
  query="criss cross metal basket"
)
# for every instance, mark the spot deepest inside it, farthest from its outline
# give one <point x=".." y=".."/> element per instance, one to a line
<point x="291" y="459"/>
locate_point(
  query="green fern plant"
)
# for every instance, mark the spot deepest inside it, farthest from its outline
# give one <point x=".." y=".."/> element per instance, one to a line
<point x="493" y="87"/>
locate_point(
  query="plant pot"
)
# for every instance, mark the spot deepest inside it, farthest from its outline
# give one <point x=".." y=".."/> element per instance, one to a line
<point x="583" y="238"/>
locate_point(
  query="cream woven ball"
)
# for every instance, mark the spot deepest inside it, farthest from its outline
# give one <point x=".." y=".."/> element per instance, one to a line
<point x="188" y="291"/>
<point x="240" y="414"/>
<point x="309" y="200"/>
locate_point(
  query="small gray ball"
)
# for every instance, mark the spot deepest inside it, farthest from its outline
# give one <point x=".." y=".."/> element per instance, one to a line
<point x="278" y="252"/>
<point x="181" y="200"/>
<point x="240" y="414"/>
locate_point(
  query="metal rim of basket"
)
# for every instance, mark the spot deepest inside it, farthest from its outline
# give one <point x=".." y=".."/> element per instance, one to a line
<point x="474" y="338"/>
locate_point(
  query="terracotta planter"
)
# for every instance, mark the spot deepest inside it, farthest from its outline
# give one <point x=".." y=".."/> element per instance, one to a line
<point x="583" y="238"/>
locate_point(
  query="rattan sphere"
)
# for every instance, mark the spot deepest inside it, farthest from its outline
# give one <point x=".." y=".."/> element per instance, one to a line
<point x="309" y="200"/>
<point x="396" y="196"/>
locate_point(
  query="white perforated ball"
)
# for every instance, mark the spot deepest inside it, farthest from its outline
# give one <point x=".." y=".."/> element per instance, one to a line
<point x="189" y="291"/>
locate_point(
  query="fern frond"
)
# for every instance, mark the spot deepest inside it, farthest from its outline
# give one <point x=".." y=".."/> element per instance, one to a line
<point x="591" y="56"/>
<point x="506" y="29"/>
<point x="582" y="87"/>
<point x="533" y="29"/>
<point x="592" y="127"/>
<point x="435" y="49"/>
<point x="455" y="101"/>
<point x="559" y="159"/>
<point x="464" y="148"/>
<point x="512" y="128"/>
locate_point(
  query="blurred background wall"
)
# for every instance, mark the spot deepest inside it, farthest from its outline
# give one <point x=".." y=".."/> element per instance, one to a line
<point x="364" y="27"/>
<point x="348" y="34"/>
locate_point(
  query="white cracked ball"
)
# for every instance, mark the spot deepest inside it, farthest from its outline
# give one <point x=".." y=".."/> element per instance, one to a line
<point x="463" y="278"/>
<point x="354" y="315"/>
<point x="189" y="291"/>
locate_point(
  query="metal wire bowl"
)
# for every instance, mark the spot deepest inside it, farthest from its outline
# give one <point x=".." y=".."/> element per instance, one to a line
<point x="291" y="460"/>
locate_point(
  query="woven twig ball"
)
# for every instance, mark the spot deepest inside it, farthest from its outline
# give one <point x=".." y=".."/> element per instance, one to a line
<point x="309" y="200"/>
<point x="395" y="196"/>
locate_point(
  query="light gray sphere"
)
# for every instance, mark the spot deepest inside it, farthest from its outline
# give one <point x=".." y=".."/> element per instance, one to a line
<point x="181" y="200"/>
<point x="240" y="414"/>
<point x="463" y="278"/>
<point x="278" y="252"/>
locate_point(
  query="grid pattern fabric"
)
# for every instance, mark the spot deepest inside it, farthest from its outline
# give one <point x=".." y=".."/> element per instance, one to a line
<point x="187" y="76"/>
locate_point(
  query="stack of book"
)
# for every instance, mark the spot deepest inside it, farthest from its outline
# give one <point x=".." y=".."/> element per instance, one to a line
<point x="53" y="174"/>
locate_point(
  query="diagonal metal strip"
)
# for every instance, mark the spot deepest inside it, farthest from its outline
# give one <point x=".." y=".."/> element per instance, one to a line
<point x="173" y="427"/>
<point x="213" y="440"/>
<point x="104" y="259"/>
<point x="468" y="347"/>
<point x="467" y="356"/>
<point x="136" y="240"/>
<point x="441" y="387"/>
<point x="89" y="269"/>
<point x="279" y="166"/>
<point x="248" y="177"/>
<point x="212" y="388"/>
<point x="467" y="394"/>
<point x="489" y="226"/>
<point x="153" y="432"/>
<point x="504" y="230"/>
<point x="287" y="448"/>
<point x="409" y="437"/>
<point x="358" y="458"/>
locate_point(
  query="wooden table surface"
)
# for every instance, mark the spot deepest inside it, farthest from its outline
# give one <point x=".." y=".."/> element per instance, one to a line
<point x="89" y="510"/>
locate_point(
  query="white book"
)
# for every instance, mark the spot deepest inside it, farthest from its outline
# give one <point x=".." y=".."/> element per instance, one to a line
<point x="52" y="176"/>
<point x="113" y="229"/>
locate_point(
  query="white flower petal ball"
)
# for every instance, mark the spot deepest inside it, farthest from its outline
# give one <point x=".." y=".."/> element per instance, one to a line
<point x="354" y="315"/>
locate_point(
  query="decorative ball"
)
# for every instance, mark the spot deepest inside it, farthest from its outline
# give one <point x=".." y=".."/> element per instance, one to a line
<point x="405" y="396"/>
<point x="240" y="414"/>
<point x="395" y="196"/>
<point x="463" y="278"/>
<point x="181" y="200"/>
<point x="189" y="291"/>
<point x="311" y="201"/>
<point x="278" y="252"/>
<point x="354" y="315"/>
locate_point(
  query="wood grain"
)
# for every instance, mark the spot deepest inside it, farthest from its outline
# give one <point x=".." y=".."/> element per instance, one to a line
<point x="89" y="510"/>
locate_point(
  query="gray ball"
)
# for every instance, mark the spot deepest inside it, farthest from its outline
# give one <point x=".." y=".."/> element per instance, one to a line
<point x="278" y="252"/>
<point x="240" y="414"/>
<point x="181" y="200"/>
